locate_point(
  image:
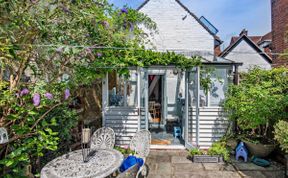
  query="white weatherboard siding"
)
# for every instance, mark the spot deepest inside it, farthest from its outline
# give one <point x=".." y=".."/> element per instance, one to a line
<point x="246" y="54"/>
<point x="124" y="122"/>
<point x="178" y="30"/>
<point x="212" y="126"/>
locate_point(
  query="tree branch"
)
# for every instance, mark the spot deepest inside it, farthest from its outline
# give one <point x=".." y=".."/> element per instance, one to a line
<point x="43" y="116"/>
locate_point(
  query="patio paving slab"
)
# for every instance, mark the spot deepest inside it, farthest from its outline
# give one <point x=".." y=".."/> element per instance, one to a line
<point x="175" y="164"/>
<point x="180" y="159"/>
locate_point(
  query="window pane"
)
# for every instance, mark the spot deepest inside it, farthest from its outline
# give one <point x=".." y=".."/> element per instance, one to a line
<point x="132" y="89"/>
<point x="219" y="86"/>
<point x="122" y="92"/>
<point x="192" y="86"/>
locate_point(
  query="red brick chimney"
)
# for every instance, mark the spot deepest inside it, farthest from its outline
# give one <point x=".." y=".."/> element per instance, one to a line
<point x="279" y="30"/>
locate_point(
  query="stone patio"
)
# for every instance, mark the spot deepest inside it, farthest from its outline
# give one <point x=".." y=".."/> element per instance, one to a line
<point x="174" y="164"/>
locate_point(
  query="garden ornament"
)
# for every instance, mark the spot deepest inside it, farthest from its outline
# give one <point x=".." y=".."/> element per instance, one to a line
<point x="241" y="151"/>
<point x="85" y="143"/>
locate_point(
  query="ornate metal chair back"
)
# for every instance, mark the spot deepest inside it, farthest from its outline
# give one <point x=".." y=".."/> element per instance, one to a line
<point x="140" y="143"/>
<point x="103" y="138"/>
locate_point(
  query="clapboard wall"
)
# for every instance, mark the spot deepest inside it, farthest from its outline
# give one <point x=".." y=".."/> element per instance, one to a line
<point x="124" y="122"/>
<point x="212" y="126"/>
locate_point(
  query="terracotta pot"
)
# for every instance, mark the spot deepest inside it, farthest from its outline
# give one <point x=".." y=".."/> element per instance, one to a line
<point x="259" y="149"/>
<point x="232" y="143"/>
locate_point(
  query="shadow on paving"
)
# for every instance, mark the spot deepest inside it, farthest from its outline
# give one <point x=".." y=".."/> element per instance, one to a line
<point x="174" y="164"/>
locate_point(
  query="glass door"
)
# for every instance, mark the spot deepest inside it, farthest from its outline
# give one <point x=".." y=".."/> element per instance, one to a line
<point x="144" y="115"/>
<point x="164" y="98"/>
<point x="191" y="100"/>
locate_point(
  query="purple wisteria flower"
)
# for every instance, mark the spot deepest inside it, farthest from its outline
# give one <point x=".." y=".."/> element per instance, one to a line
<point x="48" y="96"/>
<point x="66" y="94"/>
<point x="36" y="99"/>
<point x="124" y="10"/>
<point x="99" y="54"/>
<point x="24" y="91"/>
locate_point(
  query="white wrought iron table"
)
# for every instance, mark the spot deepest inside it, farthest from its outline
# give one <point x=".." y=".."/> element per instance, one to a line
<point x="101" y="164"/>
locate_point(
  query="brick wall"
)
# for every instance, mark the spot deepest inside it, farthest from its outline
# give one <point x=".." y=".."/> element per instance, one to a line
<point x="279" y="30"/>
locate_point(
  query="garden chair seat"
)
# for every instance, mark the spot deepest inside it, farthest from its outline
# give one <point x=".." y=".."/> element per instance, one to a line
<point x="129" y="173"/>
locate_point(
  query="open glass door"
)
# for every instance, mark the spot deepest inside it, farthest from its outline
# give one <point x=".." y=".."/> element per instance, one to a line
<point x="144" y="116"/>
<point x="164" y="99"/>
<point x="191" y="100"/>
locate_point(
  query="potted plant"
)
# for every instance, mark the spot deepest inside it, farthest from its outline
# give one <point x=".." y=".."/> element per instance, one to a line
<point x="216" y="153"/>
<point x="281" y="136"/>
<point x="259" y="147"/>
<point x="255" y="105"/>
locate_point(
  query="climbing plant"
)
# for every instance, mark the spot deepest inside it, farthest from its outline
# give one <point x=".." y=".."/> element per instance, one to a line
<point x="48" y="49"/>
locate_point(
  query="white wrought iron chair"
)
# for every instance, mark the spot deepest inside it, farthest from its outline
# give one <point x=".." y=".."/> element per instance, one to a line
<point x="140" y="144"/>
<point x="103" y="138"/>
<point x="129" y="173"/>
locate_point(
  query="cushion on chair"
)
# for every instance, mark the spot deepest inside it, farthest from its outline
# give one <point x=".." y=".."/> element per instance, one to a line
<point x="131" y="161"/>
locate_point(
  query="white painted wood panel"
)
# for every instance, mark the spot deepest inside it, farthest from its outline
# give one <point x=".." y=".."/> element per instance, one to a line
<point x="124" y="122"/>
<point x="212" y="125"/>
<point x="247" y="55"/>
<point x="177" y="29"/>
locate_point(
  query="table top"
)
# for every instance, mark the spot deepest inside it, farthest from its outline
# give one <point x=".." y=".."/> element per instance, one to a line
<point x="103" y="163"/>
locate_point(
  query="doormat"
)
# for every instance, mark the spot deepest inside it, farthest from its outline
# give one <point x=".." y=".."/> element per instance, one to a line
<point x="160" y="142"/>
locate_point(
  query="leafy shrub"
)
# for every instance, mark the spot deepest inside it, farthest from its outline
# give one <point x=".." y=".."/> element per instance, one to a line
<point x="33" y="127"/>
<point x="259" y="101"/>
<point x="125" y="151"/>
<point x="219" y="148"/>
<point x="281" y="134"/>
<point x="196" y="151"/>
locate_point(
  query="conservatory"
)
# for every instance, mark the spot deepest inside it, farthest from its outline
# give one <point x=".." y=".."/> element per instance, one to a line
<point x="171" y="103"/>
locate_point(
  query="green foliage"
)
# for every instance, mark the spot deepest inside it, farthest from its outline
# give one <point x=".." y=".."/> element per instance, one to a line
<point x="48" y="46"/>
<point x="219" y="148"/>
<point x="124" y="151"/>
<point x="259" y="100"/>
<point x="281" y="134"/>
<point x="196" y="151"/>
<point x="32" y="130"/>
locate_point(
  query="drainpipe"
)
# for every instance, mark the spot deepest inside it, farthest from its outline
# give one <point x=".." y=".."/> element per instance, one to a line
<point x="236" y="82"/>
<point x="197" y="104"/>
<point x="236" y="76"/>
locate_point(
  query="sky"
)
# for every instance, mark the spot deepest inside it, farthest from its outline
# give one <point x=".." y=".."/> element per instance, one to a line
<point x="228" y="16"/>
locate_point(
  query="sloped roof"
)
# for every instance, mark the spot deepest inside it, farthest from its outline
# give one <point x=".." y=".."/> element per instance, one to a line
<point x="192" y="14"/>
<point x="266" y="37"/>
<point x="252" y="41"/>
<point x="255" y="39"/>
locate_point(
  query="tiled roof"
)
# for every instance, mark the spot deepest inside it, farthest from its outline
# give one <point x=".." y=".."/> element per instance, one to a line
<point x="266" y="37"/>
<point x="254" y="41"/>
